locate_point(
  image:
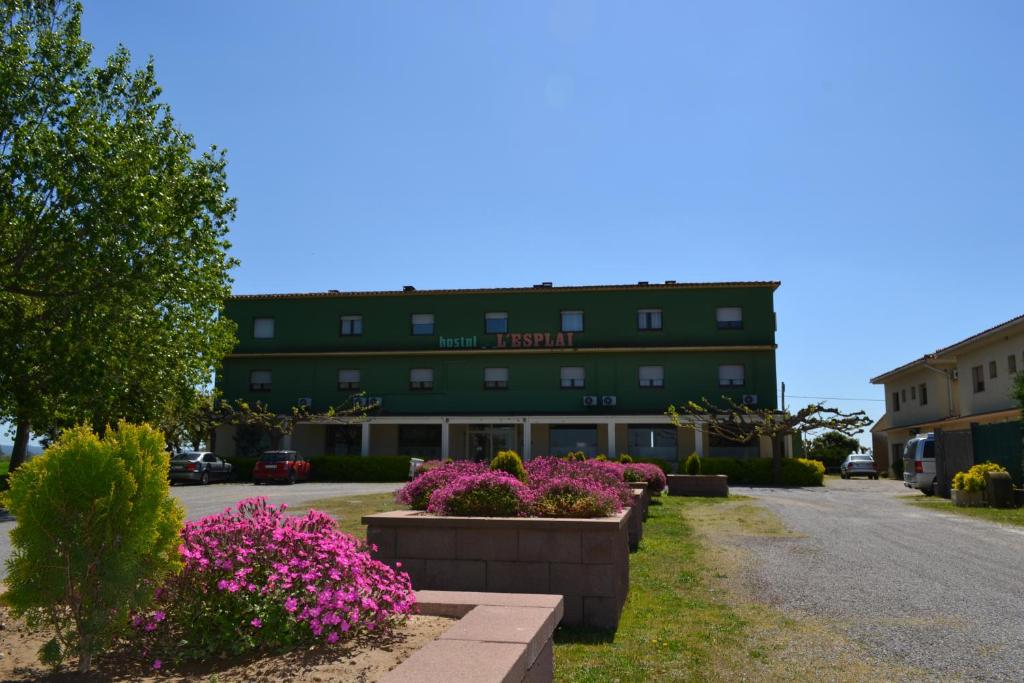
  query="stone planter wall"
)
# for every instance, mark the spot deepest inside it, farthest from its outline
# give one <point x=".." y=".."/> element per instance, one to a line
<point x="584" y="560"/>
<point x="499" y="638"/>
<point x="636" y="518"/>
<point x="698" y="485"/>
<point x="968" y="499"/>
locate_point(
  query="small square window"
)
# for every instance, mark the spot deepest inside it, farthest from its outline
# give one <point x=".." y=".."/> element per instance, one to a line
<point x="351" y="325"/>
<point x="495" y="378"/>
<point x="991" y="369"/>
<point x="572" y="321"/>
<point x="648" y="319"/>
<point x="421" y="379"/>
<point x="573" y="377"/>
<point x="260" y="380"/>
<point x="495" y="323"/>
<point x="423" y="323"/>
<point x="729" y="318"/>
<point x="348" y="379"/>
<point x="262" y="328"/>
<point x="651" y="376"/>
<point x="731" y="375"/>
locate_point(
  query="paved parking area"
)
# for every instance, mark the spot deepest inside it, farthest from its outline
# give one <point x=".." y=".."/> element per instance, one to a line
<point x="200" y="501"/>
<point x="936" y="591"/>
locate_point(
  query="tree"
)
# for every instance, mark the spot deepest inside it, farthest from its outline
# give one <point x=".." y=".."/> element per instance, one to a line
<point x="742" y="424"/>
<point x="258" y="424"/>
<point x="832" y="447"/>
<point x="113" y="257"/>
<point x="1018" y="389"/>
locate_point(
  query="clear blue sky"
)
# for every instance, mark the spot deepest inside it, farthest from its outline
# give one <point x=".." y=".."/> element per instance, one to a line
<point x="867" y="154"/>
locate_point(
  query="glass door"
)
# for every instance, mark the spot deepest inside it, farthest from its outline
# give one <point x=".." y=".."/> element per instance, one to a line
<point x="483" y="442"/>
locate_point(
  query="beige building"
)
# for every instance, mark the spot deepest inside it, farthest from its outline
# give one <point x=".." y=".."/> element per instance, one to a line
<point x="969" y="382"/>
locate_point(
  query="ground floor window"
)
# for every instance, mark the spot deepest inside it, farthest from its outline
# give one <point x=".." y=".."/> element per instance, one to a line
<point x="652" y="441"/>
<point x="564" y="439"/>
<point x="483" y="442"/>
<point x="345" y="440"/>
<point x="420" y="441"/>
<point x="724" y="447"/>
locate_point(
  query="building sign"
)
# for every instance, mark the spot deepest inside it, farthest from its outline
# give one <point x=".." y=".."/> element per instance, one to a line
<point x="512" y="340"/>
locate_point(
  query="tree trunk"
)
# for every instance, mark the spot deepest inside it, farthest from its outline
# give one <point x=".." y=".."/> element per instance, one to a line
<point x="84" y="661"/>
<point x="776" y="463"/>
<point x="20" y="450"/>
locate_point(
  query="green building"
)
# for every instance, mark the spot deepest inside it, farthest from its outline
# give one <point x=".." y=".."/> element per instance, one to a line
<point x="541" y="370"/>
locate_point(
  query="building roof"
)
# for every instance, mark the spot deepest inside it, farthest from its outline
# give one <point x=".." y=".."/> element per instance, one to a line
<point x="939" y="356"/>
<point x="543" y="287"/>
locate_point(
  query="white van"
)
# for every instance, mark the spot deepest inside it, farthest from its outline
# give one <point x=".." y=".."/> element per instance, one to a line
<point x="919" y="464"/>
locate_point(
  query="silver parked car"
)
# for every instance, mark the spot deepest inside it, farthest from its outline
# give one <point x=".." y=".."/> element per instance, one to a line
<point x="199" y="467"/>
<point x="858" y="466"/>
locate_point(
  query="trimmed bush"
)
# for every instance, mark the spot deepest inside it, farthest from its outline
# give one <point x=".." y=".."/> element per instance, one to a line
<point x="578" y="456"/>
<point x="666" y="466"/>
<point x="758" y="471"/>
<point x="625" y="458"/>
<point x="641" y="472"/>
<point x="692" y="464"/>
<point x="491" y="494"/>
<point x="509" y="461"/>
<point x="576" y="498"/>
<point x="97" y="530"/>
<point x="416" y="494"/>
<point x="974" y="478"/>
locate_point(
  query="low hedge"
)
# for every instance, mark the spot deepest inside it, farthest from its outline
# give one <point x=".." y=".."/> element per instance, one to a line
<point x="758" y="471"/>
<point x="339" y="468"/>
<point x="666" y="465"/>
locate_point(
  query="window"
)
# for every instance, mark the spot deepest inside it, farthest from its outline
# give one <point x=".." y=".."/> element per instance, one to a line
<point x="731" y="375"/>
<point x="651" y="376"/>
<point x="1011" y="364"/>
<point x="420" y="441"/>
<point x="648" y="319"/>
<point x="423" y="323"/>
<point x="730" y="318"/>
<point x="344" y="440"/>
<point x="495" y="378"/>
<point x="978" y="376"/>
<point x="652" y="441"/>
<point x="573" y="378"/>
<point x="922" y="392"/>
<point x="991" y="369"/>
<point x="348" y="379"/>
<point x="564" y="439"/>
<point x="262" y="328"/>
<point x="572" y="321"/>
<point x="495" y="323"/>
<point x="896" y="401"/>
<point x="351" y="325"/>
<point x="913" y="393"/>
<point x="421" y="379"/>
<point x="260" y="380"/>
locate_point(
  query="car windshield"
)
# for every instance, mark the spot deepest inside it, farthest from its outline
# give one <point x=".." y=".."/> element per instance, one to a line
<point x="277" y="457"/>
<point x="186" y="456"/>
<point x="861" y="458"/>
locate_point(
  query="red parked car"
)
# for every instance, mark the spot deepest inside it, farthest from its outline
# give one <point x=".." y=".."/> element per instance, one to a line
<point x="282" y="466"/>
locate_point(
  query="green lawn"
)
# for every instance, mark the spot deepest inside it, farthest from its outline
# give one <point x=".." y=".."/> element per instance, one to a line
<point x="689" y="616"/>
<point x="1012" y="516"/>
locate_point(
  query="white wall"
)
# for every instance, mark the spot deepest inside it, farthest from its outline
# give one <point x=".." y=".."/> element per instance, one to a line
<point x="996" y="395"/>
<point x="911" y="411"/>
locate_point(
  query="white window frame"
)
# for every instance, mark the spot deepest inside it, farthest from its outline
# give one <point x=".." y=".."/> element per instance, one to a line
<point x="265" y="377"/>
<point x="495" y="378"/>
<point x="727" y="375"/>
<point x="569" y="378"/>
<point x="495" y="315"/>
<point x="729" y="317"/>
<point x="651" y="376"/>
<point x="354" y="324"/>
<point x="349" y="379"/>
<point x="421" y="379"/>
<point x="256" y="328"/>
<point x="421" y="319"/>
<point x="649" y="319"/>
<point x="574" y="313"/>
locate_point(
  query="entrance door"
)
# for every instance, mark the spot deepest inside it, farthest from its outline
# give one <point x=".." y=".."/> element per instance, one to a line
<point x="483" y="442"/>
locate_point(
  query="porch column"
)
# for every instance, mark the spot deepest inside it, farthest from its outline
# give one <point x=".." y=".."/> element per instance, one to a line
<point x="364" y="444"/>
<point x="612" y="453"/>
<point x="698" y="440"/>
<point x="527" y="439"/>
<point x="444" y="440"/>
<point x="788" y="445"/>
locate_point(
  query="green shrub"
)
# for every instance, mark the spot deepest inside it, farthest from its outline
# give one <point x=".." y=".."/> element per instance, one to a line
<point x="509" y="461"/>
<point x="758" y="471"/>
<point x="625" y="458"/>
<point x="97" y="530"/>
<point x="666" y="465"/>
<point x="601" y="457"/>
<point x="339" y="468"/>
<point x="579" y="456"/>
<point x="692" y="464"/>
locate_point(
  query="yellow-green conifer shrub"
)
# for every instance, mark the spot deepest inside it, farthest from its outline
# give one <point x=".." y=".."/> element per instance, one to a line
<point x="97" y="531"/>
<point x="625" y="458"/>
<point x="509" y="461"/>
<point x="692" y="464"/>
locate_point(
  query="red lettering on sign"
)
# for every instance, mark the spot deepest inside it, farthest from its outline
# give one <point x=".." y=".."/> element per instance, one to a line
<point x="517" y="340"/>
<point x="538" y="339"/>
<point x="568" y="341"/>
<point x="501" y="340"/>
<point x="527" y="340"/>
<point x="547" y="340"/>
<point x="560" y="339"/>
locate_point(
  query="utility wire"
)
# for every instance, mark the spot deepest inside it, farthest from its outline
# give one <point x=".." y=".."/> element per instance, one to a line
<point x="837" y="398"/>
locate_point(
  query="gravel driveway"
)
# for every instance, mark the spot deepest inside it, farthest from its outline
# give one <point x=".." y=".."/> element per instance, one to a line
<point x="935" y="591"/>
<point x="200" y="501"/>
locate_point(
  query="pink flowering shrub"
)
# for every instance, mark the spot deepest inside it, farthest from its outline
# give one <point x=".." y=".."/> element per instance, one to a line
<point x="255" y="579"/>
<point x="571" y="497"/>
<point x="647" y="473"/>
<point x="416" y="494"/>
<point x="491" y="494"/>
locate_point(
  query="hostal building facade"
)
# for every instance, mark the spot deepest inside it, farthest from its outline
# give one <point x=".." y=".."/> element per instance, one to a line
<point x="541" y="370"/>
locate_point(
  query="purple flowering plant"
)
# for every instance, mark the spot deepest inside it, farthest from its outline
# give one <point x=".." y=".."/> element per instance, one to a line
<point x="416" y="494"/>
<point x="489" y="494"/>
<point x="641" y="472"/>
<point x="256" y="579"/>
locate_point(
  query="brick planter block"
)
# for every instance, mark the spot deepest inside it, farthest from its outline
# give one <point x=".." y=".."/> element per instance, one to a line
<point x="584" y="560"/>
<point x="708" y="485"/>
